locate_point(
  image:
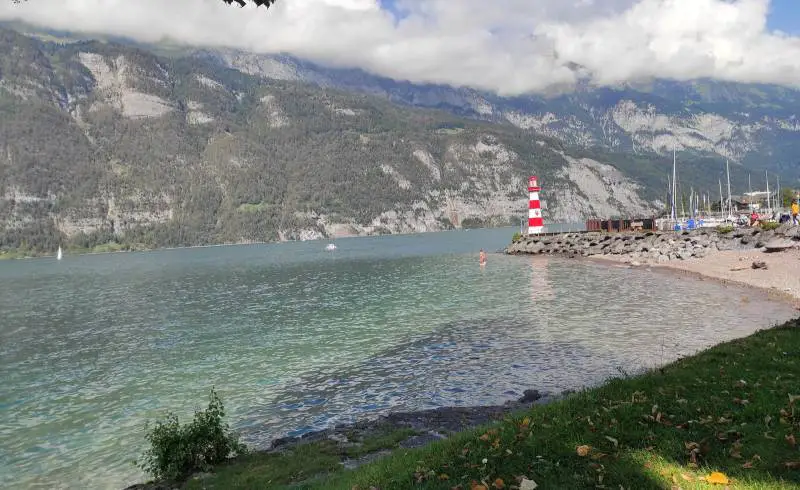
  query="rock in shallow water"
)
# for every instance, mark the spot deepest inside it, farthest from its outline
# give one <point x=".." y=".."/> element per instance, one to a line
<point x="530" y="396"/>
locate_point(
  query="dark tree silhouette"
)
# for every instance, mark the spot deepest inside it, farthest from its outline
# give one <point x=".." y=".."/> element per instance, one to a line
<point x="242" y="3"/>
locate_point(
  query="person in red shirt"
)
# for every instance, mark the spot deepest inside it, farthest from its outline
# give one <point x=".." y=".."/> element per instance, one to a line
<point x="753" y="218"/>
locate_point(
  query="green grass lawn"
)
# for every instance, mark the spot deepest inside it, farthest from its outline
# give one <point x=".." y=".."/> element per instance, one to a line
<point x="732" y="409"/>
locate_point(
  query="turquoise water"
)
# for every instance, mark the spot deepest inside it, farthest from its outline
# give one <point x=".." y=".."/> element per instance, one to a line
<point x="296" y="338"/>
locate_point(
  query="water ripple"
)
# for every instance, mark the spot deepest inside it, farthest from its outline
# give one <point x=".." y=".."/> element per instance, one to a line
<point x="296" y="339"/>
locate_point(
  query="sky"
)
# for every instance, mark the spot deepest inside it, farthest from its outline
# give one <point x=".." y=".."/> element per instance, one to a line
<point x="510" y="47"/>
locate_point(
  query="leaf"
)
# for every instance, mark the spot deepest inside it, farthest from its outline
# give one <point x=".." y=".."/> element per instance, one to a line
<point x="499" y="483"/>
<point x="687" y="477"/>
<point x="717" y="478"/>
<point x="526" y="484"/>
<point x="613" y="441"/>
<point x="792" y="465"/>
<point x="583" y="451"/>
<point x="791" y="440"/>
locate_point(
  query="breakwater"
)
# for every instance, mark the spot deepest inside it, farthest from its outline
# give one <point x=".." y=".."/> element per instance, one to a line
<point x="654" y="246"/>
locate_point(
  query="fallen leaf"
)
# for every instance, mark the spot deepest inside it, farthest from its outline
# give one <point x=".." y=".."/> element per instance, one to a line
<point x="687" y="477"/>
<point x="718" y="478"/>
<point x="613" y="441"/>
<point x="499" y="483"/>
<point x="444" y="476"/>
<point x="791" y="440"/>
<point x="526" y="484"/>
<point x="747" y="465"/>
<point x="583" y="451"/>
<point x="792" y="465"/>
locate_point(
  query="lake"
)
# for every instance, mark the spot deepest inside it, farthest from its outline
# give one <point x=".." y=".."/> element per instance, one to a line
<point x="296" y="338"/>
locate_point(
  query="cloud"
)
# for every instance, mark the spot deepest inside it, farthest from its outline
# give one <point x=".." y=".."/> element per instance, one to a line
<point x="510" y="47"/>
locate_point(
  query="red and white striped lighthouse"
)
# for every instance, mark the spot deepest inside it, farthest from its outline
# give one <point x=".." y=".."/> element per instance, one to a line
<point x="535" y="220"/>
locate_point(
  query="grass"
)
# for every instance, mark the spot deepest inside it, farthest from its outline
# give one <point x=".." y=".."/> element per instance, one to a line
<point x="300" y="466"/>
<point x="731" y="409"/>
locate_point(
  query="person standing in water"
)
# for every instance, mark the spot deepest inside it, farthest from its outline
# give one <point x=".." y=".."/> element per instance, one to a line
<point x="482" y="257"/>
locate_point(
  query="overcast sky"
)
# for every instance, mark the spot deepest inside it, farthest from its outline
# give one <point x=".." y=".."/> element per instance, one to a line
<point x="507" y="46"/>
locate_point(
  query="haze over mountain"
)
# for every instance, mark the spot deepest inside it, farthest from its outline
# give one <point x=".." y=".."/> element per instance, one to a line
<point x="510" y="47"/>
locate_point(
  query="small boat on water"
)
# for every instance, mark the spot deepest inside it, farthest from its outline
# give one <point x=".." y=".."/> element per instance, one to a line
<point x="330" y="247"/>
<point x="58" y="255"/>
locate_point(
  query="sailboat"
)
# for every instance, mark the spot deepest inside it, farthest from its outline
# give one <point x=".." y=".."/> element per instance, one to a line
<point x="58" y="255"/>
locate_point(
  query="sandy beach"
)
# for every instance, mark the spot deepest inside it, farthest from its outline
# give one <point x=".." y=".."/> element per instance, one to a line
<point x="780" y="279"/>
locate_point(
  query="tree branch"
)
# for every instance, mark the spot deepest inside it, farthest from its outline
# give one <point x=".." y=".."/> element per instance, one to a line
<point x="242" y="3"/>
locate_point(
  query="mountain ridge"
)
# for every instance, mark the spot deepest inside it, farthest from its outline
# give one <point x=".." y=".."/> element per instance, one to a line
<point x="106" y="143"/>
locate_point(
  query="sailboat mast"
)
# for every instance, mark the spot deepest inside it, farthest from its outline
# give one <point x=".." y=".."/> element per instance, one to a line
<point x="720" y="197"/>
<point x="674" y="187"/>
<point x="769" y="198"/>
<point x="728" y="172"/>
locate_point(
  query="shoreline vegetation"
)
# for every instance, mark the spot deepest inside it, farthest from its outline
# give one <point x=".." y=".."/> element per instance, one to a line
<point x="729" y="415"/>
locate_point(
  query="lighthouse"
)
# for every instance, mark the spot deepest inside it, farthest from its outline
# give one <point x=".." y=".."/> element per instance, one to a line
<point x="535" y="220"/>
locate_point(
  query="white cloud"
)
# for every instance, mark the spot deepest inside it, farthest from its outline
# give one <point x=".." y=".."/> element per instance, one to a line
<point x="507" y="46"/>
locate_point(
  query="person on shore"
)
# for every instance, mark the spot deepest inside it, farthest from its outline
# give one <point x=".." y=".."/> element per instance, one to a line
<point x="482" y="257"/>
<point x="753" y="218"/>
<point x="795" y="212"/>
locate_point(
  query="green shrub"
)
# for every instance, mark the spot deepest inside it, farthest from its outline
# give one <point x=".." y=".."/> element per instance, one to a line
<point x="769" y="225"/>
<point x="517" y="237"/>
<point x="724" y="229"/>
<point x="176" y="451"/>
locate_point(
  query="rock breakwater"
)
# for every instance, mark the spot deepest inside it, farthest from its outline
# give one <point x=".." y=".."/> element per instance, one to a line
<point x="654" y="246"/>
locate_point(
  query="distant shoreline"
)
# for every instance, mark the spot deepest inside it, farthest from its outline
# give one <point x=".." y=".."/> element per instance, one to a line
<point x="14" y="255"/>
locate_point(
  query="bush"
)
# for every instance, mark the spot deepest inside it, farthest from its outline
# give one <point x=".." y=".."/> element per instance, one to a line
<point x="769" y="225"/>
<point x="722" y="229"/>
<point x="176" y="451"/>
<point x="517" y="237"/>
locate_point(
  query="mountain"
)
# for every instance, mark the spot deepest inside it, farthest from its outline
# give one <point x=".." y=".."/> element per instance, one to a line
<point x="105" y="143"/>
<point x="755" y="126"/>
<point x="108" y="143"/>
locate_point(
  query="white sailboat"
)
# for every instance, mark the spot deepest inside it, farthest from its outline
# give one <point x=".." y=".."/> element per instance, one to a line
<point x="58" y="255"/>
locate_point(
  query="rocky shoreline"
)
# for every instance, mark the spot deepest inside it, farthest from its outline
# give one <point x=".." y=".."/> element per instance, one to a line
<point x="427" y="425"/>
<point x="656" y="246"/>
